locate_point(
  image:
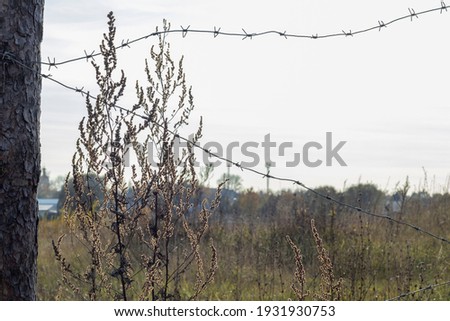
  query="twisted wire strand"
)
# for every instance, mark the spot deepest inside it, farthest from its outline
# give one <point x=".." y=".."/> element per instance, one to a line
<point x="427" y="288"/>
<point x="184" y="31"/>
<point x="11" y="58"/>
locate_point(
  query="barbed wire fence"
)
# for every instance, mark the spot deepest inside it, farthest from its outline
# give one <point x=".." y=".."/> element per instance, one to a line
<point x="7" y="57"/>
<point x="295" y="182"/>
<point x="427" y="288"/>
<point x="217" y="31"/>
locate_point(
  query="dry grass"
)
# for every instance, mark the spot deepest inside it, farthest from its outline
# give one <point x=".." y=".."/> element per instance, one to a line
<point x="374" y="259"/>
<point x="298" y="286"/>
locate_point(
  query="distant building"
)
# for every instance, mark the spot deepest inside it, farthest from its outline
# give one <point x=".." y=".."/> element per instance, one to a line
<point x="393" y="204"/>
<point x="44" y="184"/>
<point x="48" y="208"/>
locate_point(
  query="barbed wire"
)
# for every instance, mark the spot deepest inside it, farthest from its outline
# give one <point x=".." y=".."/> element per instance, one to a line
<point x="184" y="31"/>
<point x="427" y="288"/>
<point x="8" y="57"/>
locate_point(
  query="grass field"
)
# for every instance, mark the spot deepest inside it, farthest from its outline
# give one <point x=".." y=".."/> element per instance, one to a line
<point x="360" y="257"/>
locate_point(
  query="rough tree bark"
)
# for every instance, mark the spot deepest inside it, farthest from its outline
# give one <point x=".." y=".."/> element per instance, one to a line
<point x="20" y="87"/>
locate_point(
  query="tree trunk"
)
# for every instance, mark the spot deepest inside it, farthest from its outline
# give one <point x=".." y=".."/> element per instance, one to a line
<point x="20" y="87"/>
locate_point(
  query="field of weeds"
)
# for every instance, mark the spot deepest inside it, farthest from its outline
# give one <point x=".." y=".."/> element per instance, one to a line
<point x="296" y="246"/>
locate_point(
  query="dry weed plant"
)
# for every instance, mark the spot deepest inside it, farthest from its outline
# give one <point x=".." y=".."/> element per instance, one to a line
<point x="330" y="288"/>
<point x="139" y="234"/>
<point x="298" y="286"/>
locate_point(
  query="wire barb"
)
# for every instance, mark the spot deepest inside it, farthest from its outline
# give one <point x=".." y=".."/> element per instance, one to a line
<point x="125" y="43"/>
<point x="51" y="63"/>
<point x="381" y="25"/>
<point x="80" y="90"/>
<point x="89" y="56"/>
<point x="347" y="34"/>
<point x="443" y="6"/>
<point x="6" y="56"/>
<point x="247" y="35"/>
<point x="216" y="32"/>
<point x="283" y="34"/>
<point x="184" y="31"/>
<point x="412" y="13"/>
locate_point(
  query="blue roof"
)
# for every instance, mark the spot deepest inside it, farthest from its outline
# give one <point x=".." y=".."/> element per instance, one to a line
<point x="48" y="205"/>
<point x="48" y="201"/>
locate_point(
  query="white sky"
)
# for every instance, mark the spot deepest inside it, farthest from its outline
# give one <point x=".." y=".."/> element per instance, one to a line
<point x="385" y="93"/>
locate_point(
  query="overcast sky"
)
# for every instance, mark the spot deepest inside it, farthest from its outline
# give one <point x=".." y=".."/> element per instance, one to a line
<point x="383" y="92"/>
